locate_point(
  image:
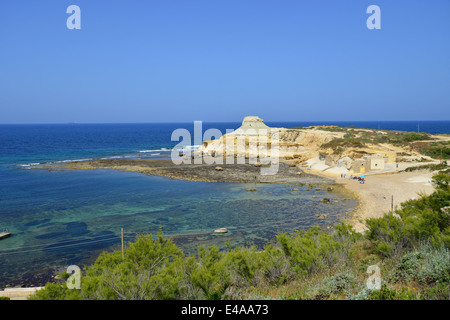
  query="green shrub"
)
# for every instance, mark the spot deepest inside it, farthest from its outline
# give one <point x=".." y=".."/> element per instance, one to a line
<point x="409" y="137"/>
<point x="348" y="142"/>
<point x="336" y="284"/>
<point x="56" y="291"/>
<point x="432" y="167"/>
<point x="211" y="274"/>
<point x="276" y="266"/>
<point x="437" y="150"/>
<point x="425" y="265"/>
<point x="309" y="250"/>
<point x="243" y="265"/>
<point x="387" y="292"/>
<point x="147" y="271"/>
<point x="440" y="291"/>
<point x="388" y="234"/>
<point x="384" y="248"/>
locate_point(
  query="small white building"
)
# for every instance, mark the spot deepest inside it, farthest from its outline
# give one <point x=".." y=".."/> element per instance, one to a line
<point x="368" y="163"/>
<point x="375" y="163"/>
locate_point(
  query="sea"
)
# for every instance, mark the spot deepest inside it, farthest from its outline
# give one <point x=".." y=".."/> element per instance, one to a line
<point x="62" y="218"/>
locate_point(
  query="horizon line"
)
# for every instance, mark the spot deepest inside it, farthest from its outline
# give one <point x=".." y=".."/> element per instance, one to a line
<point x="170" y="122"/>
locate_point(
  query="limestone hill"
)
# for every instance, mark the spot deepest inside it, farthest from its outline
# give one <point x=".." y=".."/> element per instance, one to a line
<point x="357" y="150"/>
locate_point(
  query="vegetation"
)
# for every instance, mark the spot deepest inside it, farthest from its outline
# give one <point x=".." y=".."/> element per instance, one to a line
<point x="411" y="248"/>
<point x="436" y="150"/>
<point x="421" y="142"/>
<point x="349" y="141"/>
<point x="432" y="167"/>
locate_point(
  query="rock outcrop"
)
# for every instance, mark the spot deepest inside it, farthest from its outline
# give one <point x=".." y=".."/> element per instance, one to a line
<point x="256" y="139"/>
<point x="327" y="146"/>
<point x="221" y="230"/>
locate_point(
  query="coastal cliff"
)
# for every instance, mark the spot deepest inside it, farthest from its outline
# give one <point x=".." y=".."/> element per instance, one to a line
<point x="351" y="149"/>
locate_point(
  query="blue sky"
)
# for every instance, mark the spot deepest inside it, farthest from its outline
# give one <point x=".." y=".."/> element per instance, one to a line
<point x="220" y="60"/>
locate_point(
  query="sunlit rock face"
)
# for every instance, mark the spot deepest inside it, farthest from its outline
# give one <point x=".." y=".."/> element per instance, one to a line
<point x="255" y="139"/>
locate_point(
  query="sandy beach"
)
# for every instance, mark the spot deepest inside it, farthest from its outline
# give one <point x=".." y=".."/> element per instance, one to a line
<point x="379" y="191"/>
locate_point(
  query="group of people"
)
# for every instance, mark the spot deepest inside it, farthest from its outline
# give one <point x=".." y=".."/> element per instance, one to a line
<point x="360" y="179"/>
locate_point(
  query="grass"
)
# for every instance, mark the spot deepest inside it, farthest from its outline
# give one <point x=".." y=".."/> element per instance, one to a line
<point x="431" y="167"/>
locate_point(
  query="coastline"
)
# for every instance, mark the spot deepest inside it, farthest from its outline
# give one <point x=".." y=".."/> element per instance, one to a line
<point x="374" y="196"/>
<point x="236" y="173"/>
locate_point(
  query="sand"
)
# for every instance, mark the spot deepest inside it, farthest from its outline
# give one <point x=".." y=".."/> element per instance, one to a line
<point x="379" y="191"/>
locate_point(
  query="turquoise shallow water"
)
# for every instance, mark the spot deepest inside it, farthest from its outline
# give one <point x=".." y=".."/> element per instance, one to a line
<point x="59" y="218"/>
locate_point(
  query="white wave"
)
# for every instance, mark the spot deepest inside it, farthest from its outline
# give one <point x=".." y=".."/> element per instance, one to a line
<point x="29" y="164"/>
<point x="73" y="160"/>
<point x="154" y="150"/>
<point x="193" y="148"/>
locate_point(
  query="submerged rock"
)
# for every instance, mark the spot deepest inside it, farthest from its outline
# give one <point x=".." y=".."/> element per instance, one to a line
<point x="221" y="230"/>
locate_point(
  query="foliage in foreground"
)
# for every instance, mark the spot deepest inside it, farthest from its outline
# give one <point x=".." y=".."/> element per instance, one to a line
<point x="411" y="248"/>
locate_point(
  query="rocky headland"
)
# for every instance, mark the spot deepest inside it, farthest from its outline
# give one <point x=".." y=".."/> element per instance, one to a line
<point x="319" y="155"/>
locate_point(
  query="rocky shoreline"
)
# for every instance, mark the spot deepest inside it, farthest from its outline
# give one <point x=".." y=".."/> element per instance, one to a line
<point x="236" y="173"/>
<point x="32" y="279"/>
<point x="239" y="173"/>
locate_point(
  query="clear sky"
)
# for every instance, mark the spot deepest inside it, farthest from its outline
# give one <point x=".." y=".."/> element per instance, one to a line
<point x="220" y="60"/>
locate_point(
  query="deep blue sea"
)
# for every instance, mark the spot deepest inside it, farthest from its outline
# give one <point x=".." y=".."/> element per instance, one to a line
<point x="59" y="218"/>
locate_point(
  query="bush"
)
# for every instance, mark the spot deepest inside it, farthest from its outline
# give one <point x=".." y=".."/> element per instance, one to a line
<point x="56" y="291"/>
<point x="276" y="266"/>
<point x="431" y="167"/>
<point x="387" y="292"/>
<point x="425" y="265"/>
<point x="348" y="142"/>
<point x="441" y="291"/>
<point x="336" y="284"/>
<point x="409" y="137"/>
<point x="388" y="235"/>
<point x="437" y="150"/>
<point x="309" y="251"/>
<point x="147" y="271"/>
<point x="384" y="248"/>
<point x="243" y="264"/>
<point x="211" y="275"/>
